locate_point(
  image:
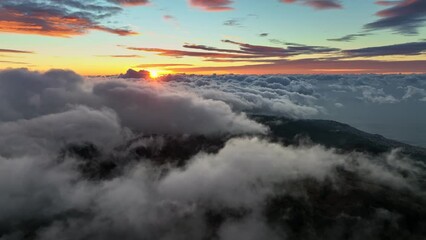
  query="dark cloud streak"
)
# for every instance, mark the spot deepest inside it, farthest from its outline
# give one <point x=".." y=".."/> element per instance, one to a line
<point x="404" y="16"/>
<point x="411" y="48"/>
<point x="3" y="50"/>
<point x="317" y="4"/>
<point x="349" y="37"/>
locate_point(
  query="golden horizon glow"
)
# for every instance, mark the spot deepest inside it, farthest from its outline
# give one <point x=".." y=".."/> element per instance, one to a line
<point x="153" y="73"/>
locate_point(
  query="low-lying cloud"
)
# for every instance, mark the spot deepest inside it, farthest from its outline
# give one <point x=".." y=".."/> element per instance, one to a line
<point x="57" y="129"/>
<point x="139" y="106"/>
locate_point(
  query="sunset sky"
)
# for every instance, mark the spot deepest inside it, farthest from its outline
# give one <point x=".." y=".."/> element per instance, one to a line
<point x="101" y="37"/>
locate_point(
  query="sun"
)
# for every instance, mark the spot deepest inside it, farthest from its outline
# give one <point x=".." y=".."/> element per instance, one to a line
<point x="153" y="74"/>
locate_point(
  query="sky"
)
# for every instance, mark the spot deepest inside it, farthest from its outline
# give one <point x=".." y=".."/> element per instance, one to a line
<point x="106" y="37"/>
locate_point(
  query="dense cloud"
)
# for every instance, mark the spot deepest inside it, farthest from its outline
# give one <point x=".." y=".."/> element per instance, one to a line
<point x="139" y="106"/>
<point x="100" y="158"/>
<point x="386" y="98"/>
<point x="141" y="204"/>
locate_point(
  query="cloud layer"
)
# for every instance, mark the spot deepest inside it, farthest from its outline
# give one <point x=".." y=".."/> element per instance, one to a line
<point x="139" y="106"/>
<point x="96" y="158"/>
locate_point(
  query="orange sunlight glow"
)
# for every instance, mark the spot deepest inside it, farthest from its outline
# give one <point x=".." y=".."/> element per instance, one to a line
<point x="153" y="74"/>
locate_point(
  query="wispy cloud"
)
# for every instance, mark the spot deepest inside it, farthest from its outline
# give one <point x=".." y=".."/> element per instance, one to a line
<point x="163" y="65"/>
<point x="313" y="59"/>
<point x="3" y="50"/>
<point x="245" y="51"/>
<point x="404" y="16"/>
<point x="411" y="48"/>
<point x="60" y="18"/>
<point x="130" y="2"/>
<point x="349" y="37"/>
<point x="122" y="56"/>
<point x="14" y="62"/>
<point x="235" y="22"/>
<point x="312" y="66"/>
<point x="212" y="5"/>
<point x="317" y="4"/>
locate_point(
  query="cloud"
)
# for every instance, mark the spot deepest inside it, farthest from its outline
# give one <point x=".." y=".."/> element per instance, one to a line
<point x="59" y="18"/>
<point x="221" y="177"/>
<point x="57" y="125"/>
<point x="225" y="194"/>
<point x="310" y="66"/>
<point x="412" y="91"/>
<point x="169" y="18"/>
<point x="410" y="48"/>
<point x="131" y="2"/>
<point x="15" y="62"/>
<point x="376" y="95"/>
<point x="15" y="51"/>
<point x="349" y="37"/>
<point x="183" y="53"/>
<point x="171" y="112"/>
<point x="233" y="23"/>
<point x="404" y="16"/>
<point x="245" y="51"/>
<point x="121" y="56"/>
<point x="163" y="65"/>
<point x="51" y="132"/>
<point x="27" y="95"/>
<point x="266" y="59"/>
<point x="141" y="74"/>
<point x="387" y="3"/>
<point x="317" y="4"/>
<point x="270" y="95"/>
<point x="212" y="5"/>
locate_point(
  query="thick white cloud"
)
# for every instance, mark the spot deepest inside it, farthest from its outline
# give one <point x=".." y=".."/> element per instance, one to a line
<point x="51" y="132"/>
<point x="144" y="204"/>
<point x="277" y="95"/>
<point x="139" y="106"/>
<point x="164" y="110"/>
<point x="383" y="104"/>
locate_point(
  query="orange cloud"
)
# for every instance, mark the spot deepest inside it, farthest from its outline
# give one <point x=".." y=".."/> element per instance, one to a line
<point x="53" y="19"/>
<point x="212" y="5"/>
